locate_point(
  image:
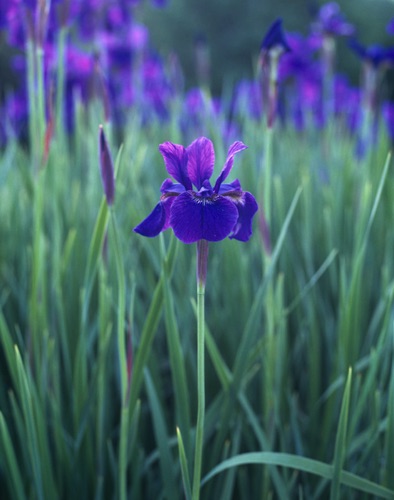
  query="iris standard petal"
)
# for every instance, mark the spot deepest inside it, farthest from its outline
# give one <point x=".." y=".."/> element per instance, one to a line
<point x="201" y="159"/>
<point x="246" y="209"/>
<point x="235" y="148"/>
<point x="156" y="221"/>
<point x="194" y="218"/>
<point x="175" y="160"/>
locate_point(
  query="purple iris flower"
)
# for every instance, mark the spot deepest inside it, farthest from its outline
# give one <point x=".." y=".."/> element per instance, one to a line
<point x="207" y="213"/>
<point x="275" y="38"/>
<point x="331" y="21"/>
<point x="374" y="54"/>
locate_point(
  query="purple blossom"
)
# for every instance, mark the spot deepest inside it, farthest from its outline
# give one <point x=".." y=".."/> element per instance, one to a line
<point x="207" y="213"/>
<point x="373" y="54"/>
<point x="300" y="62"/>
<point x="275" y="38"/>
<point x="388" y="114"/>
<point x="390" y="27"/>
<point x="330" y="21"/>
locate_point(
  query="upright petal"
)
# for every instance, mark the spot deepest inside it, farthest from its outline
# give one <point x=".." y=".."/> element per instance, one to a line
<point x="157" y="221"/>
<point x="175" y="160"/>
<point x="194" y="218"/>
<point x="242" y="230"/>
<point x="235" y="148"/>
<point x="201" y="161"/>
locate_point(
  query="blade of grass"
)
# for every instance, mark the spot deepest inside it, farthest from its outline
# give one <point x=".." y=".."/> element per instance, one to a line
<point x="341" y="441"/>
<point x="149" y="329"/>
<point x="9" y="456"/>
<point x="177" y="362"/>
<point x="184" y="466"/>
<point x="302" y="464"/>
<point x="166" y="459"/>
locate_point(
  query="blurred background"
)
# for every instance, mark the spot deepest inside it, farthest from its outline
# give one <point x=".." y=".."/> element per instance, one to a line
<point x="233" y="30"/>
<point x="229" y="34"/>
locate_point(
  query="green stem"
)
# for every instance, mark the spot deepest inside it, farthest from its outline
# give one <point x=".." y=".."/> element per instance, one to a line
<point x="202" y="259"/>
<point x="32" y="101"/>
<point x="271" y="117"/>
<point x="267" y="178"/>
<point x="41" y="121"/>
<point x="60" y="125"/>
<point x="124" y="418"/>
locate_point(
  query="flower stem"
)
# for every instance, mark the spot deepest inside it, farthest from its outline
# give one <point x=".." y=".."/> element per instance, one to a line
<point x="202" y="261"/>
<point x="271" y="118"/>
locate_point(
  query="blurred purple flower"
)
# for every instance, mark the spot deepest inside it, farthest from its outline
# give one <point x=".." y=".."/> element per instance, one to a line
<point x="373" y="54"/>
<point x="300" y="61"/>
<point x="247" y="100"/>
<point x="388" y="114"/>
<point x="207" y="213"/>
<point x="159" y="3"/>
<point x="331" y="21"/>
<point x="275" y="38"/>
<point x="390" y="27"/>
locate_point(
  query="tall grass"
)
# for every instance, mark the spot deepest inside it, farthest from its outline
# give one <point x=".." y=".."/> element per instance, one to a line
<point x="98" y="390"/>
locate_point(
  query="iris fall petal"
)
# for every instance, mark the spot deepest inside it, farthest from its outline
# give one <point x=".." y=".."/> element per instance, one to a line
<point x="246" y="210"/>
<point x="194" y="218"/>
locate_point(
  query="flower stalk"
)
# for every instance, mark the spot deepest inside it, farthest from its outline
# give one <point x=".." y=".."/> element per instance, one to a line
<point x="202" y="262"/>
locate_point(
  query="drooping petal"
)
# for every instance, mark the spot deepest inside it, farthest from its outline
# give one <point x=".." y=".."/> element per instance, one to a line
<point x="246" y="209"/>
<point x="201" y="160"/>
<point x="157" y="221"/>
<point x="194" y="218"/>
<point x="175" y="160"/>
<point x="235" y="148"/>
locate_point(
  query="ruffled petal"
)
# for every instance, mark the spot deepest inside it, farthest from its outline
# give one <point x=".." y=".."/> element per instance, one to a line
<point x="201" y="160"/>
<point x="242" y="230"/>
<point x="157" y="221"/>
<point x="235" y="148"/>
<point x="175" y="160"/>
<point x="195" y="218"/>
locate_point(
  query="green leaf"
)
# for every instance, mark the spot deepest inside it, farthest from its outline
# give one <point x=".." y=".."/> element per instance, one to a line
<point x="340" y="442"/>
<point x="301" y="464"/>
<point x="184" y="466"/>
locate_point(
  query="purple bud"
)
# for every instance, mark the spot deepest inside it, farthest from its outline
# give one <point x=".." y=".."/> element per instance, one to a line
<point x="106" y="169"/>
<point x="275" y="38"/>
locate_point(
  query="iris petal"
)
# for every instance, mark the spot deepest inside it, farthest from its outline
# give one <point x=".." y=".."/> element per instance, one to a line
<point x="175" y="160"/>
<point x="194" y="218"/>
<point x="235" y="148"/>
<point x="233" y="186"/>
<point x="157" y="221"/>
<point x="242" y="230"/>
<point x="201" y="159"/>
<point x="169" y="187"/>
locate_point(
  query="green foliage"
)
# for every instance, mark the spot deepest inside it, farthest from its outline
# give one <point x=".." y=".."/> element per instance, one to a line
<point x="80" y="292"/>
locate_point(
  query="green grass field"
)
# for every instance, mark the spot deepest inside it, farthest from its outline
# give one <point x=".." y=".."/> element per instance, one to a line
<point x="98" y="325"/>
